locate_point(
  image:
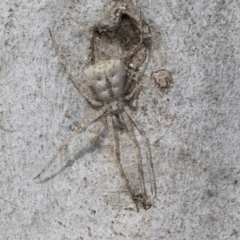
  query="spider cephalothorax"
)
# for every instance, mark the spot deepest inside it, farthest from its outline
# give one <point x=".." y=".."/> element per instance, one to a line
<point x="114" y="84"/>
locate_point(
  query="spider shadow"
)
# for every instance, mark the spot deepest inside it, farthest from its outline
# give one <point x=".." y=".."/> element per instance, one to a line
<point x="96" y="144"/>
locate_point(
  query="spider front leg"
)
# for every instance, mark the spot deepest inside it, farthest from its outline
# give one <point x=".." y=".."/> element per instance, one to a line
<point x="77" y="131"/>
<point x="114" y="150"/>
<point x="76" y="83"/>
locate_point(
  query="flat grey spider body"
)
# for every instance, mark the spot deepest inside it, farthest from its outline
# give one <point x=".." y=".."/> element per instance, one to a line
<point x="108" y="82"/>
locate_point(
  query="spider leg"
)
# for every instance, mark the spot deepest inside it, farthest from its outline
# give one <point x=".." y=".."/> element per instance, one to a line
<point x="141" y="37"/>
<point x="148" y="155"/>
<point x="134" y="77"/>
<point x="130" y="79"/>
<point x="77" y="131"/>
<point x="117" y="122"/>
<point x="121" y="119"/>
<point x="114" y="150"/>
<point x="133" y="93"/>
<point x="134" y="139"/>
<point x="76" y="83"/>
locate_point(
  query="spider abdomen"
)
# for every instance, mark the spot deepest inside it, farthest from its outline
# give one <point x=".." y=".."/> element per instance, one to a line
<point x="106" y="79"/>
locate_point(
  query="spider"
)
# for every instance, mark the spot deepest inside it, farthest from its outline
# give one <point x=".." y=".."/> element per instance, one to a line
<point x="111" y="85"/>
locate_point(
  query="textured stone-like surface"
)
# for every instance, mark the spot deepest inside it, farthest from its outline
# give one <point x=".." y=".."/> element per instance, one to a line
<point x="193" y="128"/>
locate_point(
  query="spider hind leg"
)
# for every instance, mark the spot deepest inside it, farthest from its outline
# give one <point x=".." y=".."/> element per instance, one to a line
<point x="148" y="153"/>
<point x="138" y="153"/>
<point x="114" y="150"/>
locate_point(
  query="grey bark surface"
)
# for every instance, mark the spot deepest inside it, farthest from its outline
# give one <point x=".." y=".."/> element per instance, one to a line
<point x="193" y="127"/>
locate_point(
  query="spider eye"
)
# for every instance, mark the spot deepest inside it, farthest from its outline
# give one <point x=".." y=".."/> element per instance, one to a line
<point x="99" y="79"/>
